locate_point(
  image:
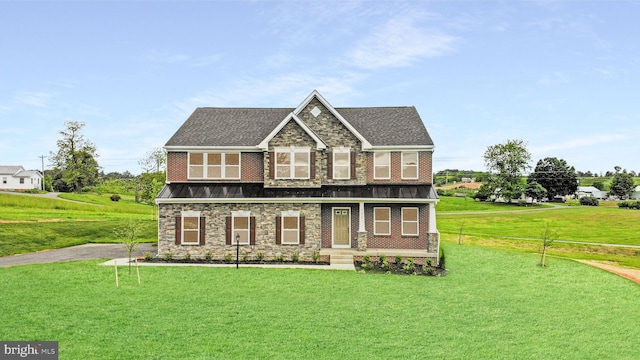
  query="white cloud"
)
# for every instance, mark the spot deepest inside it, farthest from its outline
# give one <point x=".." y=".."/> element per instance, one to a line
<point x="285" y="90"/>
<point x="38" y="99"/>
<point x="401" y="42"/>
<point x="579" y="142"/>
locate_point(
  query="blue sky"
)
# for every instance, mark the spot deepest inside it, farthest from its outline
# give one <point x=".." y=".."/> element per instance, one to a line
<point x="562" y="75"/>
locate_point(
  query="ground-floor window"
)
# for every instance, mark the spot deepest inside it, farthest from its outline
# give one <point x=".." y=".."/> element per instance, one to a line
<point x="290" y="228"/>
<point x="410" y="221"/>
<point x="190" y="227"/>
<point x="241" y="229"/>
<point x="382" y="221"/>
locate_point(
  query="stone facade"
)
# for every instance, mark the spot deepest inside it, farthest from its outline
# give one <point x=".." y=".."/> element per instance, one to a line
<point x="215" y="229"/>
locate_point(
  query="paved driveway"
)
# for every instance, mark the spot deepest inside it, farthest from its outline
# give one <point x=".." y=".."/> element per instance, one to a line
<point x="80" y="252"/>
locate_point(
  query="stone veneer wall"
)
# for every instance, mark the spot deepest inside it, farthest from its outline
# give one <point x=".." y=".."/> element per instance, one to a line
<point x="425" y="173"/>
<point x="215" y="241"/>
<point x="290" y="135"/>
<point x="335" y="135"/>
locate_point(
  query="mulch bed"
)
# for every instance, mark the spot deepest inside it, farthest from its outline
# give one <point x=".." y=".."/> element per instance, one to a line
<point x="402" y="268"/>
<point x="241" y="262"/>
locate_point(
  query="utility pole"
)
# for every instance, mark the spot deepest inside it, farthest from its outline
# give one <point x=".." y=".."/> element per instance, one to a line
<point x="42" y="184"/>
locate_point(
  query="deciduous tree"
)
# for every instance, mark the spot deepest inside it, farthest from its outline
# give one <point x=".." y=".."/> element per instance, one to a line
<point x="75" y="159"/>
<point x="154" y="161"/>
<point x="535" y="191"/>
<point x="622" y="185"/>
<point x="506" y="163"/>
<point x="555" y="176"/>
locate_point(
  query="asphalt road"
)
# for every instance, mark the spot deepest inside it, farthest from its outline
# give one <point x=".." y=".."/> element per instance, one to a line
<point x="80" y="252"/>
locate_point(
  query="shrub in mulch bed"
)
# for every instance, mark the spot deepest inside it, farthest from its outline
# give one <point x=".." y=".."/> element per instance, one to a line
<point x="168" y="258"/>
<point x="406" y="266"/>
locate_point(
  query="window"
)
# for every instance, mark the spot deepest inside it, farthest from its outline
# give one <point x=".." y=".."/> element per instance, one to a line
<point x="410" y="221"/>
<point x="21" y="180"/>
<point x="191" y="227"/>
<point x="382" y="221"/>
<point x="240" y="226"/>
<point x="196" y="166"/>
<point x="381" y="165"/>
<point x="409" y="165"/>
<point x="292" y="163"/>
<point x="214" y="165"/>
<point x="4" y="180"/>
<point x="290" y="228"/>
<point x="341" y="164"/>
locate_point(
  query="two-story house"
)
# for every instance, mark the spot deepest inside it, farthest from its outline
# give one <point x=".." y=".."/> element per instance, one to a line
<point x="299" y="180"/>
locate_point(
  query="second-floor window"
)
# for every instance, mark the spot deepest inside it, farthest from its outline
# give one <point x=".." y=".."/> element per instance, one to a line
<point x="341" y="164"/>
<point x="409" y="165"/>
<point x="214" y="165"/>
<point x="381" y="165"/>
<point x="292" y="163"/>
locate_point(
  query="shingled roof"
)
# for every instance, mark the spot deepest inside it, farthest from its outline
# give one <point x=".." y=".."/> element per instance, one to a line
<point x="381" y="126"/>
<point x="258" y="191"/>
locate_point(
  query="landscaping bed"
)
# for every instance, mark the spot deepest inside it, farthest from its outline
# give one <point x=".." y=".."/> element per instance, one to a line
<point x="322" y="260"/>
<point x="399" y="265"/>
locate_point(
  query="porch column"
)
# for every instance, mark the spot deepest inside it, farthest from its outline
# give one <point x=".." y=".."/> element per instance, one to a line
<point x="432" y="218"/>
<point x="362" y="231"/>
<point x="361" y="218"/>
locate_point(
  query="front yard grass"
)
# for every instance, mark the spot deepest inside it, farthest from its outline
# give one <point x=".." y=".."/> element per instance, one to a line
<point x="585" y="223"/>
<point x="493" y="304"/>
<point x="521" y="231"/>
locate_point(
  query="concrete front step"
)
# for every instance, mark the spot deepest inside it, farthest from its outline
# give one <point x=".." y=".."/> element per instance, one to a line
<point x="341" y="259"/>
<point x="342" y="262"/>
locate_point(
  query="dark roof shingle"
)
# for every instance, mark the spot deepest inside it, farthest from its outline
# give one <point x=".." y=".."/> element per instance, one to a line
<point x="381" y="126"/>
<point x="258" y="191"/>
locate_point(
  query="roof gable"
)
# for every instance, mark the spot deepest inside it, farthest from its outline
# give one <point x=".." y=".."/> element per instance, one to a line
<point x="264" y="144"/>
<point x="11" y="169"/>
<point x="315" y="94"/>
<point x="381" y="128"/>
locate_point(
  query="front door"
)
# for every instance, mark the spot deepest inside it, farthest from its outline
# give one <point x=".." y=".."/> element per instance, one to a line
<point x="341" y="227"/>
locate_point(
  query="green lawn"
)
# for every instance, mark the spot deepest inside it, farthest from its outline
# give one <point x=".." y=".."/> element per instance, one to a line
<point x="35" y="223"/>
<point x="585" y="223"/>
<point x="492" y="305"/>
<point x="458" y="204"/>
<point x="515" y="230"/>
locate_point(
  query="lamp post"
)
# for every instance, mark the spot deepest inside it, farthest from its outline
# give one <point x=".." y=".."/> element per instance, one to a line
<point x="237" y="248"/>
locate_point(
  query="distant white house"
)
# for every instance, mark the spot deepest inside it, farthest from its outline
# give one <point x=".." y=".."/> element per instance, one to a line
<point x="17" y="178"/>
<point x="591" y="191"/>
<point x="636" y="193"/>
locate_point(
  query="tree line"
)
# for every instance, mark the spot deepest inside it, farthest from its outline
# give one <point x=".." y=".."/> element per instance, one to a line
<point x="74" y="168"/>
<point x="551" y="177"/>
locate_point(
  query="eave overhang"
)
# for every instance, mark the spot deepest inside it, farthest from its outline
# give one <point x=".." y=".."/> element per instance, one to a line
<point x="257" y="193"/>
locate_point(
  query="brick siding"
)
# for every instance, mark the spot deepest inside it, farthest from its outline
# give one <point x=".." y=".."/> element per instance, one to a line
<point x="425" y="175"/>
